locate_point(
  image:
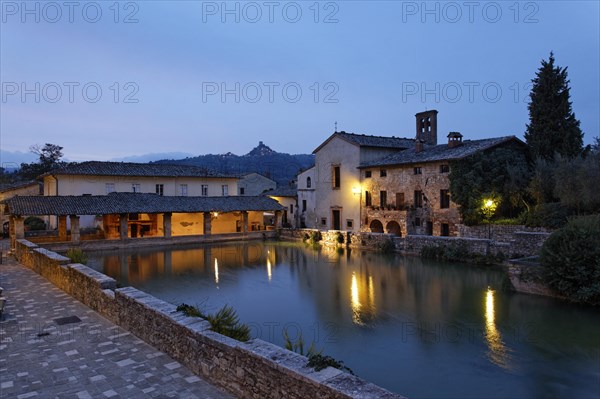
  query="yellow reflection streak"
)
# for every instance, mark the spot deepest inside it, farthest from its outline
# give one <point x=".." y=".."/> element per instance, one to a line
<point x="355" y="300"/>
<point x="216" y="271"/>
<point x="269" y="273"/>
<point x="498" y="352"/>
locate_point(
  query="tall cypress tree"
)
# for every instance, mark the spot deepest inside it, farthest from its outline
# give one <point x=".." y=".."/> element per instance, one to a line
<point x="552" y="126"/>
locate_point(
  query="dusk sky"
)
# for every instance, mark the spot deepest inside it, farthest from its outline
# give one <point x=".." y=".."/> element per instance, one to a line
<point x="133" y="78"/>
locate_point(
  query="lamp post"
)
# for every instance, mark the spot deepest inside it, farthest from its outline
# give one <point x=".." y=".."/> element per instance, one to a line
<point x="489" y="207"/>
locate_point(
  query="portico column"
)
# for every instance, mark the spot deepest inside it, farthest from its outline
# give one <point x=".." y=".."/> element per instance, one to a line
<point x="75" y="236"/>
<point x="62" y="227"/>
<point x="277" y="219"/>
<point x="123" y="226"/>
<point x="17" y="230"/>
<point x="167" y="224"/>
<point x="244" y="222"/>
<point x="207" y="223"/>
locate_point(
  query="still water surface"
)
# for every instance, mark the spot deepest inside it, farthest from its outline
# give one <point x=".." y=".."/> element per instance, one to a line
<point x="420" y="328"/>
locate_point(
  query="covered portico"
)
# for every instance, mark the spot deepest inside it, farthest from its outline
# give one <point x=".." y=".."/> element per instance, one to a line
<point x="125" y="216"/>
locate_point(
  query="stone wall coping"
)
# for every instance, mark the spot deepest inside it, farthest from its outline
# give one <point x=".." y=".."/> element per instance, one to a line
<point x="52" y="255"/>
<point x="27" y="243"/>
<point x="532" y="233"/>
<point x="103" y="280"/>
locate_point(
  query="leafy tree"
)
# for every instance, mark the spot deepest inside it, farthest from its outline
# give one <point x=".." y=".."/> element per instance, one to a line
<point x="552" y="126"/>
<point x="49" y="159"/>
<point x="572" y="183"/>
<point x="502" y="174"/>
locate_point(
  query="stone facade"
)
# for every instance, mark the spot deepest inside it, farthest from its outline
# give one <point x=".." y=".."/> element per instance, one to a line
<point x="410" y="196"/>
<point x="253" y="369"/>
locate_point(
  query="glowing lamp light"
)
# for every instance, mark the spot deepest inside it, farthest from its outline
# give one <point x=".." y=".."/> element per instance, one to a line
<point x="355" y="190"/>
<point x="215" y="214"/>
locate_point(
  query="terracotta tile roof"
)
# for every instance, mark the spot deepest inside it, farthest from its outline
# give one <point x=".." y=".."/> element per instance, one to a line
<point x="439" y="152"/>
<point x="134" y="203"/>
<point x="136" y="169"/>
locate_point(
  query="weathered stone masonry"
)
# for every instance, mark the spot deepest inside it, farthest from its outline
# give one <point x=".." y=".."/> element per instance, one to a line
<point x="253" y="369"/>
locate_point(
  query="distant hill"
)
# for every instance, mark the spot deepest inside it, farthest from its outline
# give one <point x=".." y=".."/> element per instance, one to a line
<point x="278" y="166"/>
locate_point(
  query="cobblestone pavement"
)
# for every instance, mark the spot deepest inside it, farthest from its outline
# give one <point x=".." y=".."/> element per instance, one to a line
<point x="90" y="358"/>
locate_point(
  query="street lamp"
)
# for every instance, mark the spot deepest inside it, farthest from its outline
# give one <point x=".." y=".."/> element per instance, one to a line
<point x="489" y="207"/>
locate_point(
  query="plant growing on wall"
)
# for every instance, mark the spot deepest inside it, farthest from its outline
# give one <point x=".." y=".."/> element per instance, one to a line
<point x="225" y="321"/>
<point x="76" y="255"/>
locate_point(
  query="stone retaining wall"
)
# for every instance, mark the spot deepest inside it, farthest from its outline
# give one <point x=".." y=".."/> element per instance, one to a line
<point x="496" y="232"/>
<point x="253" y="369"/>
<point x="516" y="244"/>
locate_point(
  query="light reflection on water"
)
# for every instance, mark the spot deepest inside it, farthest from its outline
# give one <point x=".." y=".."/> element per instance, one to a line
<point x="419" y="328"/>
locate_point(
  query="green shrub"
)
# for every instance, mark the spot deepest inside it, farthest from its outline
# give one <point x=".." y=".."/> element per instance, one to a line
<point x="571" y="260"/>
<point x="507" y="221"/>
<point x="34" y="223"/>
<point x="459" y="253"/>
<point x="76" y="255"/>
<point x="225" y="321"/>
<point x="320" y="362"/>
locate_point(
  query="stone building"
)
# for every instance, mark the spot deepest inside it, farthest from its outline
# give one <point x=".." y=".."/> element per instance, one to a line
<point x="255" y="184"/>
<point x="408" y="192"/>
<point x="288" y="198"/>
<point x="337" y="177"/>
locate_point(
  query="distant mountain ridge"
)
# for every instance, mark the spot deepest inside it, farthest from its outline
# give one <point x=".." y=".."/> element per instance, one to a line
<point x="278" y="166"/>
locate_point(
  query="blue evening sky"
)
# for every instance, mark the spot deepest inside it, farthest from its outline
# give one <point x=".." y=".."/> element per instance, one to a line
<point x="108" y="80"/>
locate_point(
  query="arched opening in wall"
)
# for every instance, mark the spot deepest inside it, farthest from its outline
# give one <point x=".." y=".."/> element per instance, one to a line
<point x="376" y="226"/>
<point x="394" y="228"/>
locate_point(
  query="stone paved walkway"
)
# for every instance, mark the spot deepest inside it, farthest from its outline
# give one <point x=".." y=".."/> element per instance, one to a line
<point x="92" y="358"/>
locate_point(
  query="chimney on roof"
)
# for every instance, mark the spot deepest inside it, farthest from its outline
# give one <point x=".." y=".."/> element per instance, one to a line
<point x="427" y="127"/>
<point x="418" y="145"/>
<point x="454" y="139"/>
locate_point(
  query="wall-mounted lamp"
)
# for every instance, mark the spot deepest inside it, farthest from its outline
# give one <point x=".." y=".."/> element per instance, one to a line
<point x="215" y="214"/>
<point x="355" y="190"/>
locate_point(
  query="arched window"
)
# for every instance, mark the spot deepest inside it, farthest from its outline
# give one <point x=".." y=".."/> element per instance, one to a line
<point x="308" y="182"/>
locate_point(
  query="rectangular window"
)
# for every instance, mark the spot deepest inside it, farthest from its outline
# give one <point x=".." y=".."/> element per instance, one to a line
<point x="225" y="190"/>
<point x="444" y="169"/>
<point x="445" y="230"/>
<point x="110" y="188"/>
<point x="135" y="187"/>
<point x="183" y="190"/>
<point x="383" y="198"/>
<point x="349" y="223"/>
<point x="368" y="199"/>
<point x="367" y="174"/>
<point x="418" y="199"/>
<point x="383" y="173"/>
<point x="418" y="170"/>
<point x="303" y="205"/>
<point x="444" y="199"/>
<point x="204" y="190"/>
<point x="323" y="221"/>
<point x="292" y="209"/>
<point x="399" y="200"/>
<point x="160" y="189"/>
<point x="336" y="177"/>
<point x="418" y="222"/>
